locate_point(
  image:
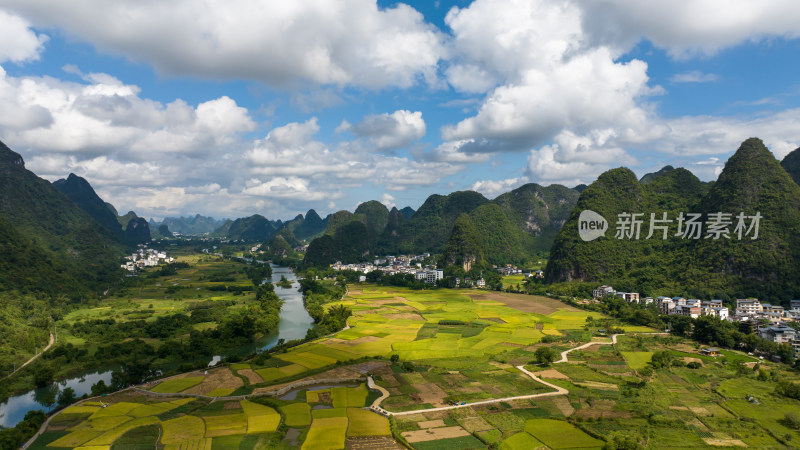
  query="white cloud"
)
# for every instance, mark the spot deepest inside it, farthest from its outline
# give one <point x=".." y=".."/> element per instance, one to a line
<point x="493" y="188"/>
<point x="283" y="187"/>
<point x="453" y="152"/>
<point x="687" y="28"/>
<point x="573" y="159"/>
<point x="694" y="76"/>
<point x="390" y="131"/>
<point x="18" y="42"/>
<point x="347" y="42"/>
<point x="388" y="200"/>
<point x="105" y="115"/>
<point x="550" y="77"/>
<point x="290" y="159"/>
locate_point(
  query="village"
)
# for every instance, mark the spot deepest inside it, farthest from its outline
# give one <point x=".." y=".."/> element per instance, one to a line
<point x="145" y="257"/>
<point x="768" y="321"/>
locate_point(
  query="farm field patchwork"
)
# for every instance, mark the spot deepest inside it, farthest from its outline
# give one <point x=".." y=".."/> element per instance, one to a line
<point x="463" y="346"/>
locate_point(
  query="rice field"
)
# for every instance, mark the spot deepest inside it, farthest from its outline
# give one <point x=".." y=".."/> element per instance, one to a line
<point x="297" y="414"/>
<point x="176" y="384"/>
<point x="362" y="422"/>
<point x="637" y="360"/>
<point x="558" y="434"/>
<point x="326" y="434"/>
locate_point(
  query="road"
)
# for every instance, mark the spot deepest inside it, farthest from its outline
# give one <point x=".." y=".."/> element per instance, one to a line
<point x="33" y="358"/>
<point x="376" y="405"/>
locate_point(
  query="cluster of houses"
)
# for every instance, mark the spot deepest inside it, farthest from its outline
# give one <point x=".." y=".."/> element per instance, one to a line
<point x="769" y="321"/>
<point x="510" y="269"/>
<point x="391" y="265"/>
<point x="145" y="257"/>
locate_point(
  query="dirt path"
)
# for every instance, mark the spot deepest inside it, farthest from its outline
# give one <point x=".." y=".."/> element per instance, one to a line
<point x="376" y="405"/>
<point x="580" y="347"/>
<point x="33" y="358"/>
<point x="377" y="408"/>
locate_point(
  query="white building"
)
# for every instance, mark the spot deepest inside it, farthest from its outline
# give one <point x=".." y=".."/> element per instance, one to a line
<point x="603" y="291"/>
<point x="750" y="306"/>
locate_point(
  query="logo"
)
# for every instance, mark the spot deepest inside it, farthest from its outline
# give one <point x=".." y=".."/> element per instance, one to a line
<point x="591" y="225"/>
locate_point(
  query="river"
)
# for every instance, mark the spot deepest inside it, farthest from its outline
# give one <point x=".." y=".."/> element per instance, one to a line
<point x="293" y="325"/>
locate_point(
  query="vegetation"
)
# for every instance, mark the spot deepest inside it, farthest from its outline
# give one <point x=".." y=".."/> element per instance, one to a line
<point x="752" y="182"/>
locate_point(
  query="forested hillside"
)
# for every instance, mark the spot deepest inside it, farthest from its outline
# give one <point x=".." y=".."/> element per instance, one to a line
<point x="693" y="262"/>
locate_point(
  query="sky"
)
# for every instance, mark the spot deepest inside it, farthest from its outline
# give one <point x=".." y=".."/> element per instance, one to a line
<point x="241" y="107"/>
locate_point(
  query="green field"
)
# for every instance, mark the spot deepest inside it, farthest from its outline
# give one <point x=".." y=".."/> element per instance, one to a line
<point x="366" y="423"/>
<point x="462" y="346"/>
<point x="557" y="434"/>
<point x="637" y="360"/>
<point x="326" y="434"/>
<point x="177" y="384"/>
<point x="297" y="414"/>
<point x="521" y="441"/>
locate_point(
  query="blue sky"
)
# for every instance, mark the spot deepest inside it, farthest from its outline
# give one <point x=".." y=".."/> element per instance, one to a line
<point x="269" y="107"/>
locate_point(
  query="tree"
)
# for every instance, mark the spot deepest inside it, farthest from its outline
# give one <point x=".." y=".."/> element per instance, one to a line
<point x="545" y="355"/>
<point x="66" y="397"/>
<point x="99" y="388"/>
<point x="661" y="359"/>
<point x="791" y="420"/>
<point x="43" y="375"/>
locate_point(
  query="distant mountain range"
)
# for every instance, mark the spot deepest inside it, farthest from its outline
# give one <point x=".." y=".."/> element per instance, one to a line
<point x="63" y="236"/>
<point x="465" y="226"/>
<point x="752" y="183"/>
<point x="195" y="225"/>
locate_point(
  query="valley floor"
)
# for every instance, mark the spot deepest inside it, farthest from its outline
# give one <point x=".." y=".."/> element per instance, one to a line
<point x="452" y="346"/>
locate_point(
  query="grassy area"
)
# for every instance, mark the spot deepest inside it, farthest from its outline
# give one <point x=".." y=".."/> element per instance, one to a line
<point x="177" y="384"/>
<point x="557" y="434"/>
<point x="637" y="360"/>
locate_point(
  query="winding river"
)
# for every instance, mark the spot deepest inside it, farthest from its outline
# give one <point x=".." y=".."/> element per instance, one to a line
<point x="293" y="325"/>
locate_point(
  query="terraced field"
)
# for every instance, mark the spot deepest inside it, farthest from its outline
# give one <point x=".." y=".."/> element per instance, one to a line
<point x="189" y="423"/>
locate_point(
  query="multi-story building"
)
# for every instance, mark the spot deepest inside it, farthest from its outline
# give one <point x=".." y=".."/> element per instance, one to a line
<point x="749" y="306"/>
<point x="603" y="291"/>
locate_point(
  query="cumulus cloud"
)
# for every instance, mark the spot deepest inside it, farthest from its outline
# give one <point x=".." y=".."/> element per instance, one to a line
<point x="390" y="131"/>
<point x="493" y="188"/>
<point x="557" y="82"/>
<point x="105" y="115"/>
<point x="291" y="165"/>
<point x="687" y="28"/>
<point x="347" y="42"/>
<point x="574" y="159"/>
<point x="18" y="42"/>
<point x="388" y="200"/>
<point x="549" y="77"/>
<point x="453" y="152"/>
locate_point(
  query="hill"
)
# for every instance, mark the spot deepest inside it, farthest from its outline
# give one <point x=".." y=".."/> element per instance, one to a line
<point x="509" y="229"/>
<point x="513" y="227"/>
<point x="82" y="194"/>
<point x="255" y="228"/>
<point x="38" y="216"/>
<point x="308" y="227"/>
<point x="690" y="261"/>
<point x="791" y="163"/>
<point x="196" y="224"/>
